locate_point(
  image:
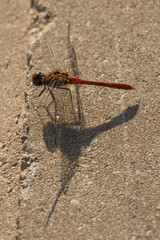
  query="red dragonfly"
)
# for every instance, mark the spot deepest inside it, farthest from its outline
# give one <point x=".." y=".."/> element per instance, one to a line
<point x="60" y="79"/>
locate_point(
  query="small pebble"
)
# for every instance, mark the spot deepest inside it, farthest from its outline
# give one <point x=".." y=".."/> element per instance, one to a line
<point x="74" y="202"/>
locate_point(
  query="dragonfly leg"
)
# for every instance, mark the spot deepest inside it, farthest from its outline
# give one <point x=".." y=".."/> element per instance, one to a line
<point x="52" y="95"/>
<point x="42" y="90"/>
<point x="53" y="101"/>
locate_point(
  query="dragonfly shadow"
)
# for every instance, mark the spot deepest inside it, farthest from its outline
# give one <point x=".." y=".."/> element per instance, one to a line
<point x="73" y="140"/>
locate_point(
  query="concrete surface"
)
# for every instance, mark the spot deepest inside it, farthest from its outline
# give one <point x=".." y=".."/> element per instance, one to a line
<point x="102" y="180"/>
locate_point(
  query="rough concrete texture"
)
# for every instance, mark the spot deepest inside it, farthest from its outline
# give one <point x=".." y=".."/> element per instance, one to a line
<point x="102" y="181"/>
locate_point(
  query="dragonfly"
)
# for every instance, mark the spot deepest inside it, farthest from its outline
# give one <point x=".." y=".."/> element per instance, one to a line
<point x="63" y="88"/>
<point x="68" y="107"/>
<point x="60" y="79"/>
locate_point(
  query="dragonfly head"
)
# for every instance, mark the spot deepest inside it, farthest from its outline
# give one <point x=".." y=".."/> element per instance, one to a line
<point x="38" y="78"/>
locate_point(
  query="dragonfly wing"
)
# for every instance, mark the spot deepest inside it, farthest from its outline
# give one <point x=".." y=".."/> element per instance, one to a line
<point x="73" y="67"/>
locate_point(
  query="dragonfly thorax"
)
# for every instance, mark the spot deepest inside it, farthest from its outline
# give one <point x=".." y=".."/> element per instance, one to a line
<point x="62" y="77"/>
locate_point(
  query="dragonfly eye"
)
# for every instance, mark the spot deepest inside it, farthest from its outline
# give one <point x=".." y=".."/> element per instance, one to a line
<point x="38" y="78"/>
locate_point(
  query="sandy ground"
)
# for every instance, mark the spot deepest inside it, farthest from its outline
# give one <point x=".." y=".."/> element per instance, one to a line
<point x="102" y="181"/>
